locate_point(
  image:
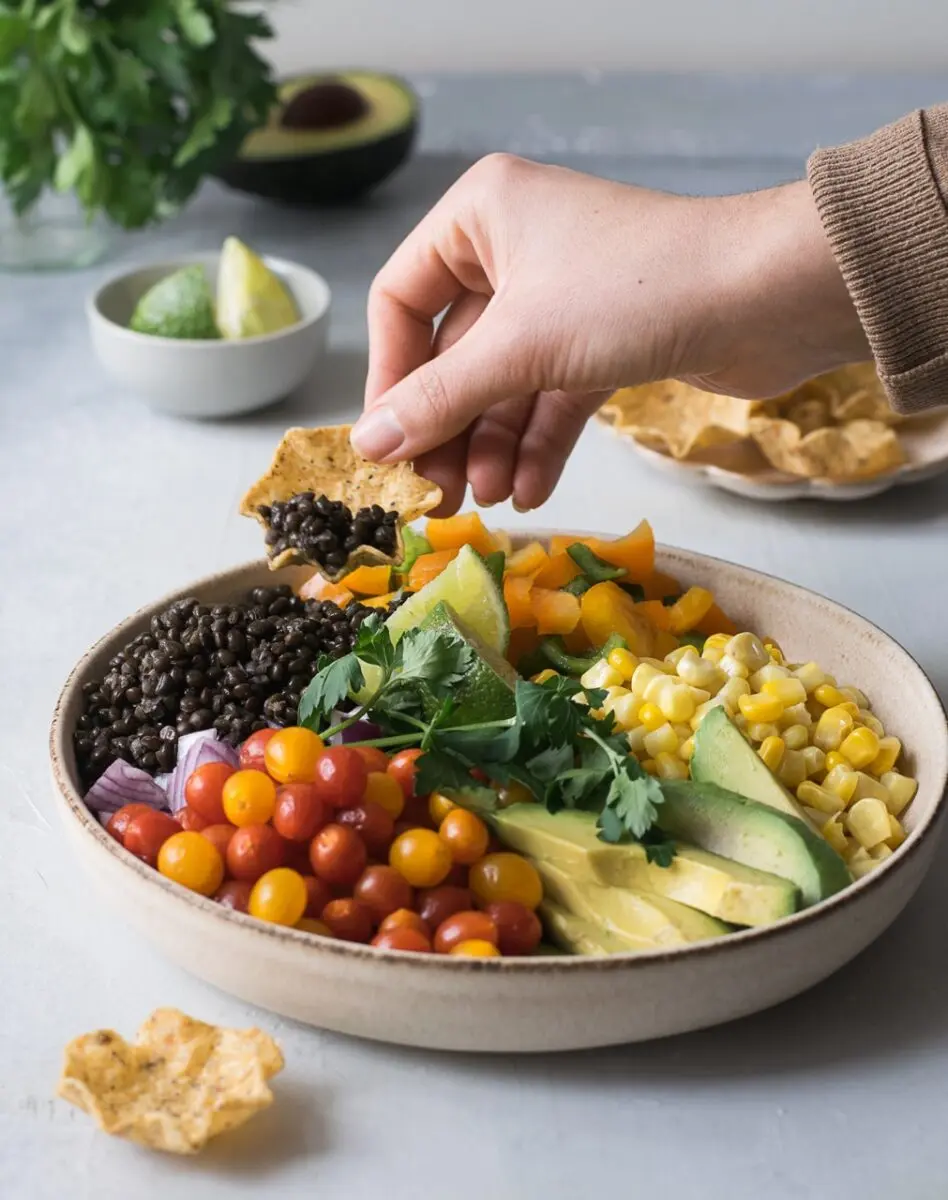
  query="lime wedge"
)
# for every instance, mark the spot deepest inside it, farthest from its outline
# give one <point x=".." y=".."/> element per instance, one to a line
<point x="179" y="306"/>
<point x="251" y="300"/>
<point x="487" y="690"/>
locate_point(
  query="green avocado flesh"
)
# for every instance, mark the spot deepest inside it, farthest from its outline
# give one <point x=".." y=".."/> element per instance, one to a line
<point x="179" y="306"/>
<point x="578" y="936"/>
<point x="716" y="886"/>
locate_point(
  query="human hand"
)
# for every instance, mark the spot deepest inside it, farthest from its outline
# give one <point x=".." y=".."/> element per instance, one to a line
<point x="558" y="289"/>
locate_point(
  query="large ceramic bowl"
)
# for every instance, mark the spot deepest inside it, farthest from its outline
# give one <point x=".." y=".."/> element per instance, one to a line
<point x="555" y="1003"/>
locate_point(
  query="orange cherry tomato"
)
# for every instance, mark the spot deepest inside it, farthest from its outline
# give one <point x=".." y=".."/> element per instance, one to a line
<point x="435" y="905"/>
<point x="312" y="925"/>
<point x="219" y="836"/>
<point x="119" y="821"/>
<point x="382" y="789"/>
<point x="235" y="894"/>
<point x="349" y="920"/>
<point x="402" y="938"/>
<point x="300" y="812"/>
<point x="192" y="861"/>
<point x="338" y="855"/>
<point x="465" y="835"/>
<point x="318" y="895"/>
<point x="278" y="897"/>
<point x="439" y="806"/>
<point x="403" y="769"/>
<point x="204" y="791"/>
<point x="249" y="798"/>
<point x="405" y="918"/>
<point x="421" y="856"/>
<point x="340" y="776"/>
<point x="374" y="758"/>
<point x="383" y="890"/>
<point x="465" y="927"/>
<point x="252" y="851"/>
<point x="372" y="823"/>
<point x="147" y="832"/>
<point x="251" y="754"/>
<point x="506" y="876"/>
<point x="519" y="930"/>
<point x="188" y="819"/>
<point x="475" y="948"/>
<point x="291" y="755"/>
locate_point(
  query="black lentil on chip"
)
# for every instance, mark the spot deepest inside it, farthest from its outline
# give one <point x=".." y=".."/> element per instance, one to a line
<point x="325" y="532"/>
<point x="232" y="667"/>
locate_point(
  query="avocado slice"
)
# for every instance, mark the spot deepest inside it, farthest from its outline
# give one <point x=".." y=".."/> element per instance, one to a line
<point x="753" y="834"/>
<point x="578" y="936"/>
<point x="486" y="693"/>
<point x="330" y="139"/>
<point x="568" y="839"/>
<point x="722" y="755"/>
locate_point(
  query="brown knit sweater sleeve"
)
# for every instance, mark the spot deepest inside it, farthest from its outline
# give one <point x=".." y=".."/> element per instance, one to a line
<point x="883" y="202"/>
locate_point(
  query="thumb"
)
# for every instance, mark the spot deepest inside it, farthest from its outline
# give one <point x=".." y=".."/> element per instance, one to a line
<point x="443" y="396"/>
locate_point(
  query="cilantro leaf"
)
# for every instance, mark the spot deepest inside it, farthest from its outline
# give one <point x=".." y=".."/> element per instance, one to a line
<point x="634" y="799"/>
<point x="373" y="643"/>
<point x="436" y="771"/>
<point x="548" y="712"/>
<point x="494" y="743"/>
<point x="480" y="800"/>
<point x="328" y="688"/>
<point x="659" y="849"/>
<point x="550" y="763"/>
<point x="437" y="659"/>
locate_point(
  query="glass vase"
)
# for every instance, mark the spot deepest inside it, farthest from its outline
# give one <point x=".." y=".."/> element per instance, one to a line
<point x="55" y="235"/>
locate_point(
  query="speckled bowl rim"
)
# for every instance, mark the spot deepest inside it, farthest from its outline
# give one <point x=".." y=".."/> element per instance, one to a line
<point x="61" y="755"/>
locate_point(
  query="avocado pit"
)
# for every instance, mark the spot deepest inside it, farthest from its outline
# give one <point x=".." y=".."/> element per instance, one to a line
<point x="328" y="105"/>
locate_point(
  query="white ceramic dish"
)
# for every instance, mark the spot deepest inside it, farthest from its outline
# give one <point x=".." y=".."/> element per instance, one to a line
<point x="555" y="1003"/>
<point x="205" y="379"/>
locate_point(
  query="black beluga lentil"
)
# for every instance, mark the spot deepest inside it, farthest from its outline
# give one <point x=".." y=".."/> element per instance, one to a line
<point x="325" y="532"/>
<point x="232" y="667"/>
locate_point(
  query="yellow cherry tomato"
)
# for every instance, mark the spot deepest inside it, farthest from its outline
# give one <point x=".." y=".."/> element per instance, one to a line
<point x="193" y="861"/>
<point x="311" y="925"/>
<point x="421" y="857"/>
<point x="279" y="896"/>
<point x="475" y="948"/>
<point x="290" y="755"/>
<point x="505" y="876"/>
<point x="249" y="798"/>
<point x="465" y="835"/>
<point x="386" y="791"/>
<point x="439" y="806"/>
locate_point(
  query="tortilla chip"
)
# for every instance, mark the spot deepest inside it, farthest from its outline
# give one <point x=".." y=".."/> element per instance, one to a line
<point x="677" y="418"/>
<point x="323" y="461"/>
<point x="808" y="414"/>
<point x="178" y="1085"/>
<point x="857" y="450"/>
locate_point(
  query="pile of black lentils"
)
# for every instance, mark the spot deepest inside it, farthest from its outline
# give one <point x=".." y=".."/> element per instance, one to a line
<point x="232" y="667"/>
<point x="325" y="532"/>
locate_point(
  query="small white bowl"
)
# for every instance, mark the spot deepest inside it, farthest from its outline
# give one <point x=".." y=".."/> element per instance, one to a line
<point x="198" y="378"/>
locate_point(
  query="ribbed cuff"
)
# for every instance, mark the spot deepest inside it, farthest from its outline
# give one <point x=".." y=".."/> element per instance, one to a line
<point x="882" y="204"/>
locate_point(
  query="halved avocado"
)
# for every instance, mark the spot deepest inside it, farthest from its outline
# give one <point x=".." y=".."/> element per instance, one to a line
<point x="330" y="139"/>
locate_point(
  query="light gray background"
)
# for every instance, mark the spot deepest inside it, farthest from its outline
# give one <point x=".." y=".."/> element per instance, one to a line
<point x="103" y="506"/>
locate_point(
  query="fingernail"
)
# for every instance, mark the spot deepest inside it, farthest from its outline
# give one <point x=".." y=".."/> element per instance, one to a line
<point x="485" y="503"/>
<point x="378" y="434"/>
<point x="520" y="509"/>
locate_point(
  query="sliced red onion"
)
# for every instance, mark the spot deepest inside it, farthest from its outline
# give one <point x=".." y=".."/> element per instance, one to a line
<point x="195" y="749"/>
<point x="361" y="731"/>
<point x="121" y="783"/>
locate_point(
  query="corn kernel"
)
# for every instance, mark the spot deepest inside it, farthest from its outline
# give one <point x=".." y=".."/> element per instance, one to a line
<point x="642" y="676"/>
<point x="792" y="770"/>
<point x="761" y="707"/>
<point x="872" y="722"/>
<point x="650" y="767"/>
<point x="682" y="731"/>
<point x="600" y="675"/>
<point x="862" y="866"/>
<point x="835" y="834"/>
<point x="626" y="711"/>
<point x="686" y="749"/>
<point x="835" y="759"/>
<point x="868" y="822"/>
<point x="670" y="766"/>
<point x="833" y="726"/>
<point x="661" y="741"/>
<point x="543" y="676"/>
<point x="773" y="649"/>
<point x="810" y="675"/>
<point x="867" y="786"/>
<point x="746" y="648"/>
<point x="768" y="674"/>
<point x="880" y="853"/>
<point x="796" y="737"/>
<point x="739" y="721"/>
<point x="659" y="664"/>
<point x="674" y="657"/>
<point x="797" y="714"/>
<point x="677" y="702"/>
<point x="815" y="760"/>
<point x="717" y="641"/>
<point x="730" y="694"/>
<point x="841" y="780"/>
<point x="855" y="695"/>
<point x="897" y="834"/>
<point x="761" y="730"/>
<point x="828" y="695"/>
<point x="612" y="695"/>
<point x="702" y="711"/>
<point x="651" y="716"/>
<point x="700" y="673"/>
<point x="771" y="752"/>
<point x="732" y="668"/>
<point x="712" y="654"/>
<point x="861" y="747"/>
<point x="636" y="739"/>
<point x="901" y="790"/>
<point x="699" y="695"/>
<point x="787" y="691"/>
<point x="814" y="796"/>
<point x="623" y="661"/>
<point x="889" y="750"/>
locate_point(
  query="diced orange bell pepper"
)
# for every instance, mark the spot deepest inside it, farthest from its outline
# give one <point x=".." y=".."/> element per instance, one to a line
<point x="528" y="560"/>
<point x="522" y="642"/>
<point x="577" y="642"/>
<point x="715" y="621"/>
<point x="517" y="589"/>
<point x="369" y="581"/>
<point x="606" y="609"/>
<point x="555" y="612"/>
<point x="655" y="613"/>
<point x="659" y="585"/>
<point x="558" y="570"/>
<point x="635" y="551"/>
<point x="378" y="601"/>
<point x="560" y="543"/>
<point x="318" y="587"/>
<point x="466" y="529"/>
<point x="429" y="566"/>
<point x="665" y="643"/>
<point x="689" y="609"/>
<point x="502" y="540"/>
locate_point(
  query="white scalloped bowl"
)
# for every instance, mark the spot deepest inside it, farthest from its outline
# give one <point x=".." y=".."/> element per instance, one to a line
<point x="543" y="1003"/>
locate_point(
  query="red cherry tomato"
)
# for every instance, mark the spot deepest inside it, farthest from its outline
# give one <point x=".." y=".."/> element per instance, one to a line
<point x="405" y="918"/>
<point x="436" y="904"/>
<point x="253" y="850"/>
<point x="296" y="857"/>
<point x="465" y="927"/>
<point x="403" y="769"/>
<point x="383" y="890"/>
<point x="518" y="928"/>
<point x="120" y="821"/>
<point x="220" y="835"/>
<point x="147" y="833"/>
<point x="204" y="791"/>
<point x="374" y="758"/>
<point x="372" y="823"/>
<point x="402" y="938"/>
<point x="457" y="876"/>
<point x="338" y="855"/>
<point x="235" y="894"/>
<point x="341" y="774"/>
<point x="190" y="820"/>
<point x="252" y="751"/>
<point x="416" y="812"/>
<point x="300" y="812"/>
<point x="318" y="894"/>
<point x="349" y="920"/>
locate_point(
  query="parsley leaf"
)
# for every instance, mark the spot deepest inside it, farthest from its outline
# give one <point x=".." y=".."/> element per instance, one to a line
<point x="437" y="771"/>
<point x="327" y="690"/>
<point x="633" y="797"/>
<point x="659" y="849"/>
<point x="440" y="661"/>
<point x="373" y="643"/>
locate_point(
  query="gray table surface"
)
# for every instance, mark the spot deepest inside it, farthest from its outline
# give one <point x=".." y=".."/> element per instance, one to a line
<point x="104" y="505"/>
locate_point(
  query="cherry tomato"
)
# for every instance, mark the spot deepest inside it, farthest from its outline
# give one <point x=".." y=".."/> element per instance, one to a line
<point x="515" y="792"/>
<point x="457" y="876"/>
<point x="278" y="897"/>
<point x="338" y="855"/>
<point x="372" y="823"/>
<point x="465" y="927"/>
<point x="341" y="773"/>
<point x="204" y="791"/>
<point x="253" y="850"/>
<point x="318" y="895"/>
<point x="465" y="835"/>
<point x="475" y="948"/>
<point x="403" y="769"/>
<point x="252" y="750"/>
<point x="421" y="856"/>
<point x="300" y="812"/>
<point x="383" y="890"/>
<point x="296" y="856"/>
<point x="381" y="788"/>
<point x="193" y="861"/>
<point x="438" y="807"/>
<point x="291" y="755"/>
<point x="518" y="928"/>
<point x="374" y="758"/>
<point x="188" y="819"/>
<point x="506" y="876"/>
<point x="120" y="820"/>
<point x="219" y="836"/>
<point x="147" y="832"/>
<point x="402" y="938"/>
<point x="349" y="920"/>
<point x="416" y="812"/>
<point x="405" y="918"/>
<point x="249" y="798"/>
<point x="312" y="925"/>
<point x="437" y="904"/>
<point x="235" y="894"/>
